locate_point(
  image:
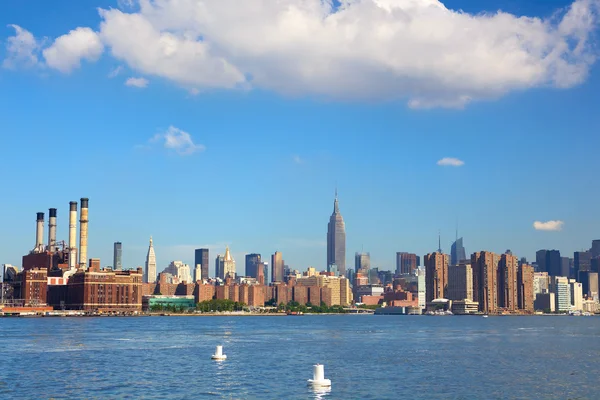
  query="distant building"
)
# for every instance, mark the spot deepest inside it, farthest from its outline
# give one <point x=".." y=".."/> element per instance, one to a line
<point x="540" y="260"/>
<point x="253" y="262"/>
<point x="525" y="290"/>
<point x="595" y="250"/>
<point x="457" y="252"/>
<point x="436" y="275"/>
<point x="336" y="239"/>
<point x="421" y="287"/>
<point x="553" y="263"/>
<point x="180" y="270"/>
<point x="565" y="266"/>
<point x="198" y="272"/>
<point x="541" y="283"/>
<point x="266" y="271"/>
<point x="362" y="261"/>
<point x="559" y="285"/>
<point x="576" y="289"/>
<point x="589" y="284"/>
<point x="333" y="269"/>
<point x="582" y="261"/>
<point x="277" y="272"/>
<point x="507" y="282"/>
<point x="220" y="266"/>
<point x="201" y="257"/>
<point x="228" y="265"/>
<point x="150" y="270"/>
<point x="485" y="280"/>
<point x="460" y="282"/>
<point x="406" y="263"/>
<point x="118" y="256"/>
<point x="545" y="302"/>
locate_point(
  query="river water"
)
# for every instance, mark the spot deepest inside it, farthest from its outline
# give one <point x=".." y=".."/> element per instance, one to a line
<point x="365" y="356"/>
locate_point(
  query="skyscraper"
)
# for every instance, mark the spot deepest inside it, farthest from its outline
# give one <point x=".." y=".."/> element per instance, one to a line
<point x="276" y="267"/>
<point x="507" y="282"/>
<point x="525" y="287"/>
<point x="228" y="264"/>
<point x="336" y="239"/>
<point x="582" y="261"/>
<point x="436" y="275"/>
<point x="201" y="257"/>
<point x="362" y="261"/>
<point x="595" y="250"/>
<point x="219" y="266"/>
<point x="565" y="266"/>
<point x="549" y="261"/>
<point x="118" y="256"/>
<point x="485" y="280"/>
<point x="150" y="270"/>
<point x="553" y="263"/>
<point x="253" y="262"/>
<point x="406" y="263"/>
<point x="457" y="252"/>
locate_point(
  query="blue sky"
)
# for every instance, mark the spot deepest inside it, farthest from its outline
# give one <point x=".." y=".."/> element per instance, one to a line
<point x="275" y="122"/>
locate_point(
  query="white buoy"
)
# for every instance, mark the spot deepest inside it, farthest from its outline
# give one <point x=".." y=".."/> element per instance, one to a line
<point x="319" y="377"/>
<point x="219" y="354"/>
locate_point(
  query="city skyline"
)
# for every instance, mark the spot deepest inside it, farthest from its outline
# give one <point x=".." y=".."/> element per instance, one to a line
<point x="160" y="141"/>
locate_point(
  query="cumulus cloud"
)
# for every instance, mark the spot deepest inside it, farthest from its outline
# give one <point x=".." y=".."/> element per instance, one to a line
<point x="181" y="56"/>
<point x="450" y="162"/>
<point x="417" y="50"/>
<point x="178" y="141"/>
<point x="67" y="51"/>
<point x="548" y="225"/>
<point x="137" y="82"/>
<point x="21" y="49"/>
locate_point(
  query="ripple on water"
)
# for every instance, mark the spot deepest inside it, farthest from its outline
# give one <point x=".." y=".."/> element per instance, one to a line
<point x="271" y="358"/>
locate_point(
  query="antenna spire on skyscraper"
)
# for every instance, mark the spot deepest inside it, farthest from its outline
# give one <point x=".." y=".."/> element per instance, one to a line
<point x="439" y="242"/>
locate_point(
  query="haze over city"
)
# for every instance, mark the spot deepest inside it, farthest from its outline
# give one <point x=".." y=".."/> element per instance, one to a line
<point x="417" y="138"/>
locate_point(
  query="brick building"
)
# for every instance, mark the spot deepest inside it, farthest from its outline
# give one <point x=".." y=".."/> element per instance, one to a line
<point x="105" y="290"/>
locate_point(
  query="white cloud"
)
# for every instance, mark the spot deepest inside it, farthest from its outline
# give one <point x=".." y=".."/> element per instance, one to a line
<point x="21" y="49"/>
<point x="417" y="50"/>
<point x="297" y="159"/>
<point x="548" y="225"/>
<point x="68" y="50"/>
<point x="115" y="71"/>
<point x="137" y="82"/>
<point x="179" y="141"/>
<point x="180" y="57"/>
<point x="450" y="162"/>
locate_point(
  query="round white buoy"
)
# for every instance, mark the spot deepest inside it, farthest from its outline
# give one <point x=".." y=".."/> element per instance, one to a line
<point x="219" y="354"/>
<point x="319" y="376"/>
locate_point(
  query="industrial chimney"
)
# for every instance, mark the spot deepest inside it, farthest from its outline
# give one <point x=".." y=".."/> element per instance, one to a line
<point x="52" y="231"/>
<point x="39" y="234"/>
<point x="73" y="235"/>
<point x="83" y="232"/>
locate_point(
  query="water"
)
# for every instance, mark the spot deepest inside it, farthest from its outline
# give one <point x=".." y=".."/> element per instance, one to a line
<point x="366" y="357"/>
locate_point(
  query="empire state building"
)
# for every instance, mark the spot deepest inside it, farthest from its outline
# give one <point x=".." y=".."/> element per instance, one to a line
<point x="336" y="239"/>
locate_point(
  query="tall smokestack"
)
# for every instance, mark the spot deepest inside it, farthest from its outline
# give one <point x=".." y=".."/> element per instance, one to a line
<point x="83" y="232"/>
<point x="73" y="234"/>
<point x="52" y="230"/>
<point x="39" y="233"/>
